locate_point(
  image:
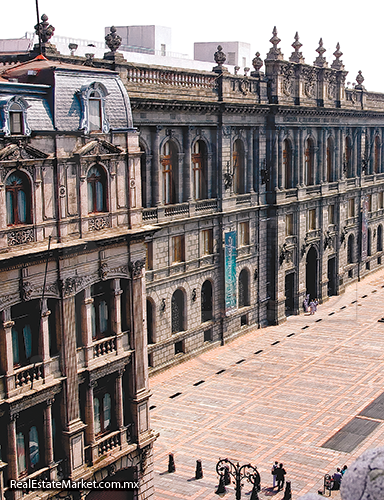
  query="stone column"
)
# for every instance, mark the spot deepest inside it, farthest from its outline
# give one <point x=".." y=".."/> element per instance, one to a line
<point x="249" y="187"/>
<point x="156" y="169"/>
<point x="187" y="174"/>
<point x="319" y="161"/>
<point x="338" y="155"/>
<point x="381" y="135"/>
<point x="354" y="153"/>
<point x="86" y="325"/>
<point x="116" y="314"/>
<point x="281" y="173"/>
<point x="6" y="351"/>
<point x="48" y="435"/>
<point x="301" y="157"/>
<point x="324" y="166"/>
<point x="44" y="338"/>
<point x="12" y="447"/>
<point x="180" y="195"/>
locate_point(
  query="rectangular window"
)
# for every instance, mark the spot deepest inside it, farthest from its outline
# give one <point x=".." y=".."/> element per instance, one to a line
<point x="381" y="200"/>
<point x="16" y="123"/>
<point x="369" y="203"/>
<point x="149" y="246"/>
<point x="231" y="58"/>
<point x="178" y="249"/>
<point x="312" y="220"/>
<point x="163" y="49"/>
<point x="351" y="208"/>
<point x="207" y="243"/>
<point x="289" y="224"/>
<point x="331" y="214"/>
<point x="94" y="115"/>
<point x="243" y="234"/>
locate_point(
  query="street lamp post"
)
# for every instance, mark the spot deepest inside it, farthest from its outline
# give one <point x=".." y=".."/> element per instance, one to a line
<point x="225" y="468"/>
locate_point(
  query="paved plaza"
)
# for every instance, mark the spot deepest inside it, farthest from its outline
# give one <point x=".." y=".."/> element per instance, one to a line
<point x="277" y="393"/>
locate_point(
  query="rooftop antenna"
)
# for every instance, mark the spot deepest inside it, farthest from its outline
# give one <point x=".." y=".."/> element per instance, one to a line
<point x="38" y="27"/>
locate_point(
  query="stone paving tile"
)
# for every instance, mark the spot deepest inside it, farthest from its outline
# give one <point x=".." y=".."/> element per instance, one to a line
<point x="281" y="404"/>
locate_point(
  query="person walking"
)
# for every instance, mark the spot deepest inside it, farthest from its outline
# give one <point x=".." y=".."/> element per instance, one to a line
<point x="280" y="473"/>
<point x="273" y="472"/>
<point x="312" y="307"/>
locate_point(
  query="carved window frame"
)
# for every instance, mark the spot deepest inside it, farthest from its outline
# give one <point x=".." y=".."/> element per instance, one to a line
<point x="6" y="112"/>
<point x="85" y="96"/>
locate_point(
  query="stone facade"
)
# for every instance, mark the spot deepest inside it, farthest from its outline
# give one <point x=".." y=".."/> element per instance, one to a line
<point x="286" y="161"/>
<point x="74" y="376"/>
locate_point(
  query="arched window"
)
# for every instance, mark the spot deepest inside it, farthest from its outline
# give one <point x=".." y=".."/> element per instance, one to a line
<point x="100" y="317"/>
<point x="150" y="322"/>
<point x="348" y="157"/>
<point x="97" y="196"/>
<point x="330" y="150"/>
<point x="369" y="242"/>
<point x="379" y="238"/>
<point x="25" y="333"/>
<point x="170" y="173"/>
<point x="143" y="175"/>
<point x="243" y="288"/>
<point x="206" y="301"/>
<point x="199" y="170"/>
<point x="238" y="168"/>
<point x="18" y="193"/>
<point x="178" y="318"/>
<point x="287" y="162"/>
<point x="16" y="119"/>
<point x="351" y="249"/>
<point x="376" y="161"/>
<point x="309" y="163"/>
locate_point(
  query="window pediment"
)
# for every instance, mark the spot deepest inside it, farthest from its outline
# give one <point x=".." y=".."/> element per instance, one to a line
<point x="13" y="116"/>
<point x="13" y="152"/>
<point x="98" y="148"/>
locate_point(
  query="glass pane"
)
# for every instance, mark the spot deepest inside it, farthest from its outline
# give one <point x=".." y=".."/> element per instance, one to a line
<point x="93" y="321"/>
<point x="22" y="206"/>
<point x="103" y="316"/>
<point x="107" y="410"/>
<point x="27" y="336"/>
<point x="99" y="197"/>
<point x="15" y="347"/>
<point x="94" y="114"/>
<point x="34" y="456"/>
<point x="90" y="197"/>
<point x="16" y="122"/>
<point x="96" y="414"/>
<point x="10" y="217"/>
<point x="21" y="463"/>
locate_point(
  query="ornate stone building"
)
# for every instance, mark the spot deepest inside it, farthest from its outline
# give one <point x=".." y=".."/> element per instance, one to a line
<point x="73" y="353"/>
<point x="247" y="192"/>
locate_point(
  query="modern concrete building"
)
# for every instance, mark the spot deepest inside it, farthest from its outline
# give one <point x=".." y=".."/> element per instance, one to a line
<point x="237" y="53"/>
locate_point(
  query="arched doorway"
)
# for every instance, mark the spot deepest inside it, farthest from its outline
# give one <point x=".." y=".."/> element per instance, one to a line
<point x="311" y="273"/>
<point x="289" y="294"/>
<point x="126" y="475"/>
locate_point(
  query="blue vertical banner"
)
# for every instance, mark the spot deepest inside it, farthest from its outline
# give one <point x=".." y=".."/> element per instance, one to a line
<point x="364" y="227"/>
<point x="230" y="272"/>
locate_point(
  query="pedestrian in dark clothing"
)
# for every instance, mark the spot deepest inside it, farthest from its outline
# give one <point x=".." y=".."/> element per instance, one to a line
<point x="343" y="470"/>
<point x="337" y="479"/>
<point x="280" y="473"/>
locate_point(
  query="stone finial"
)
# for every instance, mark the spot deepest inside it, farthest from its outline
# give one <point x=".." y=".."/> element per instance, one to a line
<point x="72" y="47"/>
<point x="44" y="30"/>
<point x="274" y="53"/>
<point x="257" y="62"/>
<point x="246" y="71"/>
<point x="236" y="69"/>
<point x="113" y="40"/>
<point x="359" y="80"/>
<point x="320" y="61"/>
<point x="219" y="56"/>
<point x="297" y="56"/>
<point x="337" y="64"/>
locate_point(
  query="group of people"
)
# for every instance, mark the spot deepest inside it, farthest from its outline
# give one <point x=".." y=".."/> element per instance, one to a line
<point x="278" y="473"/>
<point x="337" y="477"/>
<point x="310" y="305"/>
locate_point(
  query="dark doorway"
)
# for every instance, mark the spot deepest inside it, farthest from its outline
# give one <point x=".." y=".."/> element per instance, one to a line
<point x="121" y="476"/>
<point x="332" y="277"/>
<point x="289" y="294"/>
<point x="311" y="273"/>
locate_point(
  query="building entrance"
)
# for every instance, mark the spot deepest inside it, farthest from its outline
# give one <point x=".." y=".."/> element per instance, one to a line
<point x="311" y="273"/>
<point x="332" y="277"/>
<point x="289" y="294"/>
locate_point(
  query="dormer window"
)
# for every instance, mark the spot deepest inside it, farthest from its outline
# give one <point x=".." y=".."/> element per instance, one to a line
<point x="93" y="115"/>
<point x="16" y="122"/>
<point x="13" y="116"/>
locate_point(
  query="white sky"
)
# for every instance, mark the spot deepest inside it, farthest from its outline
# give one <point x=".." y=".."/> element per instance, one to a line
<point x="356" y="25"/>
